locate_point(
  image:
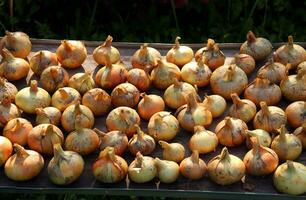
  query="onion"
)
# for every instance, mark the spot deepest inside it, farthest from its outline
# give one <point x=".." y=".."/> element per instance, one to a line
<point x="196" y="73"/>
<point x="17" y="130"/>
<point x="30" y="98"/>
<point x="231" y="131"/>
<point x="245" y="62"/>
<point x="296" y="113"/>
<point x="260" y="160"/>
<point x="293" y="87"/>
<point x="65" y="167"/>
<point x="225" y="169"/>
<point x="123" y="119"/>
<point x="64" y="97"/>
<point x="179" y="54"/>
<point x="16" y="42"/>
<point x="139" y="78"/>
<point x="82" y="82"/>
<point x="300" y="132"/>
<point x="111" y="75"/>
<point x="6" y="150"/>
<point x="116" y="139"/>
<point x="269" y="118"/>
<point x="109" y="168"/>
<point x="176" y="94"/>
<point x="194" y="114"/>
<point x="42" y="138"/>
<point x="149" y="105"/>
<point x="71" y="54"/>
<point x="259" y="48"/>
<point x="8" y="89"/>
<point x="48" y="115"/>
<point x="98" y="101"/>
<point x="77" y="116"/>
<point x="163" y="126"/>
<point x="263" y="90"/>
<point x="216" y="104"/>
<point x="287" y="146"/>
<point x="125" y="94"/>
<point x="273" y="71"/>
<point x="53" y="78"/>
<point x="106" y="49"/>
<point x="172" y="151"/>
<point x="301" y="66"/>
<point x="290" y="178"/>
<point x="24" y="164"/>
<point x="161" y="73"/>
<point x="193" y="167"/>
<point x="208" y="47"/>
<point x="263" y="137"/>
<point x="145" y="58"/>
<point x="290" y="53"/>
<point x="142" y="169"/>
<point x="243" y="109"/>
<point x="167" y="171"/>
<point x="141" y="142"/>
<point x="8" y="110"/>
<point x="228" y="79"/>
<point x="204" y="141"/>
<point x="42" y="60"/>
<point x="13" y="68"/>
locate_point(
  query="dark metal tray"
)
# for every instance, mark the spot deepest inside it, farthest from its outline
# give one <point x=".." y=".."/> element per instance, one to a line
<point x="252" y="188"/>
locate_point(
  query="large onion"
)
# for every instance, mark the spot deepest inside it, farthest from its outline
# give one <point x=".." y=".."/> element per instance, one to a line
<point x="204" y="141"/>
<point x="41" y="60"/>
<point x="300" y="132"/>
<point x="125" y="94"/>
<point x="245" y="62"/>
<point x="167" y="171"/>
<point x="48" y="115"/>
<point x="6" y="149"/>
<point x="216" y="104"/>
<point x="296" y="113"/>
<point x="53" y="78"/>
<point x="193" y="167"/>
<point x="149" y="105"/>
<point x="8" y="89"/>
<point x="243" y="109"/>
<point x="139" y="78"/>
<point x="106" y="49"/>
<point x="98" y="101"/>
<point x="82" y="82"/>
<point x="65" y="97"/>
<point x="172" y="151"/>
<point x="273" y="71"/>
<point x="293" y="87"/>
<point x="17" y="130"/>
<point x="141" y="142"/>
<point x="116" y="139"/>
<point x="263" y="138"/>
<point x="8" y="110"/>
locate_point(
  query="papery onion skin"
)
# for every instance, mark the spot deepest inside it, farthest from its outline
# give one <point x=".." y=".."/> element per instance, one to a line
<point x="98" y="101"/>
<point x="17" y="130"/>
<point x="172" y="151"/>
<point x="296" y="113"/>
<point x="106" y="49"/>
<point x="245" y="62"/>
<point x="149" y="105"/>
<point x="42" y="60"/>
<point x="48" y="115"/>
<point x="6" y="150"/>
<point x="82" y="82"/>
<point x="116" y="139"/>
<point x="207" y="47"/>
<point x="167" y="171"/>
<point x="8" y="110"/>
<point x="139" y="78"/>
<point x="216" y="104"/>
<point x="300" y="132"/>
<point x="204" y="141"/>
<point x="64" y="97"/>
<point x="53" y="78"/>
<point x="301" y="66"/>
<point x="293" y="87"/>
<point x="8" y="89"/>
<point x="273" y="71"/>
<point x="193" y="167"/>
<point x="243" y="109"/>
<point x="263" y="137"/>
<point x="214" y="58"/>
<point x="125" y="94"/>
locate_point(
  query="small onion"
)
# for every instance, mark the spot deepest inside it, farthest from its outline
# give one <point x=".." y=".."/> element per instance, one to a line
<point x="109" y="168"/>
<point x="163" y="126"/>
<point x="149" y="105"/>
<point x="300" y="132"/>
<point x="53" y="78"/>
<point x="293" y="87"/>
<point x="208" y="47"/>
<point x="30" y="98"/>
<point x="6" y="150"/>
<point x="204" y="141"/>
<point x="125" y="94"/>
<point x="260" y="160"/>
<point x="41" y="60"/>
<point x="216" y="104"/>
<point x="179" y="54"/>
<point x="82" y="82"/>
<point x="243" y="109"/>
<point x="273" y="71"/>
<point x="8" y="89"/>
<point x="296" y="113"/>
<point x="262" y="136"/>
<point x="193" y="167"/>
<point x="269" y="118"/>
<point x="167" y="171"/>
<point x="116" y="139"/>
<point x="71" y="54"/>
<point x="16" y="42"/>
<point x="24" y="164"/>
<point x="98" y="101"/>
<point x="231" y="131"/>
<point x="228" y="79"/>
<point x="259" y="48"/>
<point x="106" y="49"/>
<point x="263" y="90"/>
<point x="64" y="97"/>
<point x="139" y="78"/>
<point x="245" y="62"/>
<point x="172" y="151"/>
<point x="17" y="130"/>
<point x="225" y="169"/>
<point x="8" y="110"/>
<point x="142" y="169"/>
<point x="141" y="142"/>
<point x="48" y="115"/>
<point x="287" y="146"/>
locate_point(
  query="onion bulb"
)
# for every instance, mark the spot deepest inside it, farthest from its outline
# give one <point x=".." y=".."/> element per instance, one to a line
<point x="259" y="48"/>
<point x="116" y="139"/>
<point x="301" y="66"/>
<point x="8" y="110"/>
<point x="125" y="94"/>
<point x="296" y="113"/>
<point x="260" y="160"/>
<point x="142" y="169"/>
<point x="263" y="137"/>
<point x="17" y="130"/>
<point x="172" y="151"/>
<point x="141" y="142"/>
<point x="273" y="71"/>
<point x="139" y="78"/>
<point x="48" y="115"/>
<point x="106" y="49"/>
<point x="53" y="78"/>
<point x="8" y="89"/>
<point x="204" y="141"/>
<point x="167" y="171"/>
<point x="245" y="62"/>
<point x="179" y="54"/>
<point x="42" y="60"/>
<point x="243" y="109"/>
<point x="216" y="104"/>
<point x="82" y="82"/>
<point x="16" y="42"/>
<point x="163" y="126"/>
<point x="65" y="167"/>
<point x="149" y="105"/>
<point x="269" y="118"/>
<point x="231" y="131"/>
<point x="6" y="150"/>
<point x="293" y="87"/>
<point x="24" y="164"/>
<point x="71" y="53"/>
<point x="225" y="169"/>
<point x="228" y="79"/>
<point x="193" y="167"/>
<point x="98" y="101"/>
<point x="208" y="47"/>
<point x="109" y="168"/>
<point x="300" y="132"/>
<point x="30" y="98"/>
<point x="64" y="97"/>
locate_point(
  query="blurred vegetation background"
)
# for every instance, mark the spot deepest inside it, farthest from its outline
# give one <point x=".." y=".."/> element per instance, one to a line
<point x="155" y="20"/>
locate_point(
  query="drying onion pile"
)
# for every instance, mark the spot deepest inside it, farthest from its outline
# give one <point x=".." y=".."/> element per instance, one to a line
<point x="164" y="134"/>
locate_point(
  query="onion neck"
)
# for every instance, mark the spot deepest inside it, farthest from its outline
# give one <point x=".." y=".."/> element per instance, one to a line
<point x="176" y="82"/>
<point x="282" y="133"/>
<point x="140" y="133"/>
<point x="108" y="41"/>
<point x="139" y="160"/>
<point x="228" y="122"/>
<point x="54" y="72"/>
<point x="100" y="133"/>
<point x="224" y="154"/>
<point x="33" y="86"/>
<point x="290" y="41"/>
<point x="251" y="133"/>
<point x="236" y="100"/>
<point x="7" y="55"/>
<point x="68" y="47"/>
<point x="251" y="37"/>
<point x="177" y="43"/>
<point x="18" y="125"/>
<point x="290" y="165"/>
<point x="164" y="145"/>
<point x="230" y="72"/>
<point x="192" y="101"/>
<point x="195" y="156"/>
<point x="264" y="108"/>
<point x="159" y="163"/>
<point x="58" y="152"/>
<point x="143" y="52"/>
<point x="64" y="94"/>
<point x="256" y="146"/>
<point x="20" y="151"/>
<point x="198" y="129"/>
<point x="9" y="35"/>
<point x="108" y="62"/>
<point x="210" y="44"/>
